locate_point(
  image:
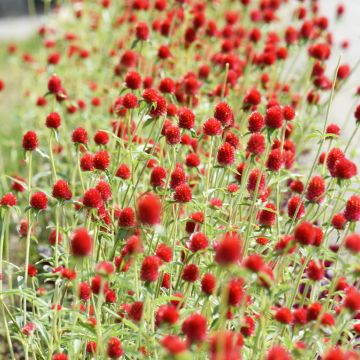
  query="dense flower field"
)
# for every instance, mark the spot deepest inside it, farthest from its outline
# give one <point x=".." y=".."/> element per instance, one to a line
<point x="180" y="190"/>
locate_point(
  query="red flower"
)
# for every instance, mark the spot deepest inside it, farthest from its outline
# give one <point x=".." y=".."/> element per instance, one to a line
<point x="130" y="101"/>
<point x="150" y="269"/>
<point x="226" y="345"/>
<point x="198" y="241"/>
<point x="101" y="160"/>
<point x="79" y="136"/>
<point x="208" y="284"/>
<point x="149" y="209"/>
<point x="172" y="134"/>
<point x="277" y="352"/>
<point x="61" y="190"/>
<point x="190" y="273"/>
<point x="52" y="237"/>
<point x="126" y="217"/>
<point x="194" y="327"/>
<point x="186" y="118"/>
<point x="30" y="141"/>
<point x="133" y="80"/>
<point x="84" y="291"/>
<point x="39" y="201"/>
<point x="158" y="176"/>
<point x="86" y="162"/>
<point x="254" y="262"/>
<point x="255" y="122"/>
<point x="352" y="300"/>
<point x="256" y="144"/>
<point x="167" y="86"/>
<point x="101" y="137"/>
<point x="226" y="154"/>
<point x="114" y="348"/>
<point x="54" y="84"/>
<point x="345" y="169"/>
<point x="304" y="233"/>
<point x="267" y="216"/>
<point x="164" y="252"/>
<point x="316" y="189"/>
<point x="91" y="347"/>
<point x="81" y="243"/>
<point x="224" y="114"/>
<point x="104" y="189"/>
<point x="92" y="199"/>
<point x="274" y="161"/>
<point x="253" y="182"/>
<point x="352" y="243"/>
<point x="53" y="120"/>
<point x="338" y="221"/>
<point x="31" y="270"/>
<point x="123" y="172"/>
<point x="212" y="127"/>
<point x="59" y="356"/>
<point x="352" y="209"/>
<point x="236" y="292"/>
<point x="136" y="311"/>
<point x="8" y="199"/>
<point x="182" y="193"/>
<point x="295" y="208"/>
<point x="173" y="344"/>
<point x="229" y="249"/>
<point x="142" y="31"/>
<point x="315" y="271"/>
<point x="274" y="117"/>
<point x="283" y="315"/>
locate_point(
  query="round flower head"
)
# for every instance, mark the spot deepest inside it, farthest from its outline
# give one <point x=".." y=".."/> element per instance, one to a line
<point x="157" y="176"/>
<point x="229" y="249"/>
<point x="352" y="209"/>
<point x="142" y="31"/>
<point x="304" y="233"/>
<point x="186" y="118"/>
<point x="294" y="208"/>
<point x="274" y="117"/>
<point x="79" y="136"/>
<point x="123" y="172"/>
<point x="352" y="243"/>
<point x="149" y="209"/>
<point x="277" y="352"/>
<point x="182" y="193"/>
<point x="316" y="189"/>
<point x="126" y="217"/>
<point x="101" y="137"/>
<point x="164" y="252"/>
<point x="39" y="201"/>
<point x="149" y="271"/>
<point x="86" y="162"/>
<point x="81" y="243"/>
<point x="103" y="187"/>
<point x="190" y="273"/>
<point x="92" y="199"/>
<point x="256" y="144"/>
<point x="53" y="120"/>
<point x="224" y="114"/>
<point x="226" y="154"/>
<point x="172" y="135"/>
<point x="212" y="127"/>
<point x="255" y="122"/>
<point x="101" y="160"/>
<point x="208" y="284"/>
<point x="198" y="241"/>
<point x="8" y="199"/>
<point x="30" y="141"/>
<point x="114" y="348"/>
<point x="195" y="328"/>
<point x="54" y="84"/>
<point x="61" y="190"/>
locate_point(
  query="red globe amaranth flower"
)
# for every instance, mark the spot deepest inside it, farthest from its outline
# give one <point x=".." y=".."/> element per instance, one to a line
<point x="283" y="315"/>
<point x="79" y="136"/>
<point x="198" y="241"/>
<point x="123" y="172"/>
<point x="182" y="193"/>
<point x="224" y="114"/>
<point x="267" y="216"/>
<point x="30" y="141"/>
<point x="316" y="189"/>
<point x="149" y="209"/>
<point x="254" y="262"/>
<point x="136" y="311"/>
<point x="150" y="269"/>
<point x="60" y="356"/>
<point x="81" y="243"/>
<point x="226" y="154"/>
<point x="274" y="160"/>
<point x="126" y="217"/>
<point x="164" y="252"/>
<point x="114" y="348"/>
<point x="236" y="292"/>
<point x="352" y="209"/>
<point x="345" y="169"/>
<point x="167" y="314"/>
<point x="101" y="137"/>
<point x="39" y="201"/>
<point x="304" y="233"/>
<point x="274" y="117"/>
<point x="190" y="273"/>
<point x="352" y="243"/>
<point x="142" y="31"/>
<point x="158" y="176"/>
<point x="133" y="80"/>
<point x="172" y="135"/>
<point x="277" y="352"/>
<point x="226" y="345"/>
<point x="53" y="120"/>
<point x="54" y="84"/>
<point x="8" y="199"/>
<point x="255" y="122"/>
<point x="315" y="271"/>
<point x="229" y="249"/>
<point x="256" y="144"/>
<point x="212" y="127"/>
<point x="294" y="207"/>
<point x="352" y="300"/>
<point x="195" y="328"/>
<point x="61" y="190"/>
<point x="92" y="199"/>
<point x="338" y="221"/>
<point x="86" y="162"/>
<point x="101" y="160"/>
<point x="173" y="344"/>
<point x="208" y="284"/>
<point x="186" y="118"/>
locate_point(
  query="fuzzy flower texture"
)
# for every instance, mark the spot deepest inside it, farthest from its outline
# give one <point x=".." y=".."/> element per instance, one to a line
<point x="181" y="189"/>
